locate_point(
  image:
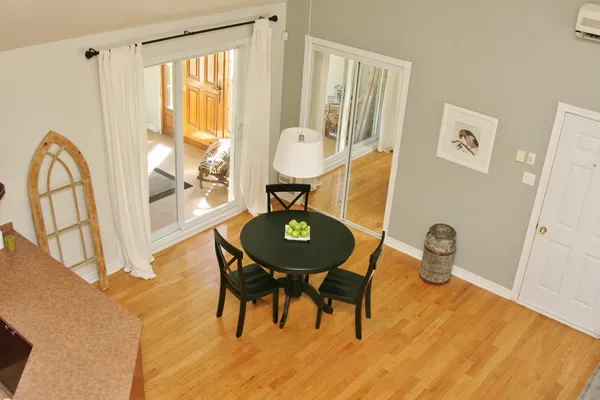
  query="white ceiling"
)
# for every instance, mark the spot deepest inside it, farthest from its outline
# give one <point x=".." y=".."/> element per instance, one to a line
<point x="30" y="22"/>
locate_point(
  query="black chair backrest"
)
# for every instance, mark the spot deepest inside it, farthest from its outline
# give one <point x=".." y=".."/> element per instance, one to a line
<point x="223" y="248"/>
<point x="373" y="261"/>
<point x="303" y="188"/>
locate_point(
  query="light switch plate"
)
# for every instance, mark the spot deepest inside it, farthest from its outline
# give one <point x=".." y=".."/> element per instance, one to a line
<point x="521" y="155"/>
<point x="528" y="178"/>
<point x="531" y="158"/>
<point x="285" y="36"/>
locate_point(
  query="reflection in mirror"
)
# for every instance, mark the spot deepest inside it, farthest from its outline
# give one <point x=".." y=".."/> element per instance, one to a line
<point x="355" y="106"/>
<point x="373" y="143"/>
<point x="330" y="109"/>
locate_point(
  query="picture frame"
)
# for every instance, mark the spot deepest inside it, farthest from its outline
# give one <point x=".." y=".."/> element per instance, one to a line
<point x="467" y="138"/>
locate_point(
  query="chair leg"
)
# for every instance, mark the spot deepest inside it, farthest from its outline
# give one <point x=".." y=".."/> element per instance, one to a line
<point x="329" y="302"/>
<point x="320" y="311"/>
<point x="275" y="306"/>
<point x="240" y="325"/>
<point x="368" y="301"/>
<point x="222" y="293"/>
<point x="306" y="278"/>
<point x="254" y="301"/>
<point x="272" y="272"/>
<point x="358" y="321"/>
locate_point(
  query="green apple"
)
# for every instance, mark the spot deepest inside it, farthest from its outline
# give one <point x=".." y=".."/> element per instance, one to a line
<point x="295" y="234"/>
<point x="303" y="225"/>
<point x="289" y="230"/>
<point x="293" y="223"/>
<point x="304" y="233"/>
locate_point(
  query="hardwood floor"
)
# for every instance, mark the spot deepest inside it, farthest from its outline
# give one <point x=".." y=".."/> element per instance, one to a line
<point x="369" y="180"/>
<point x="455" y="341"/>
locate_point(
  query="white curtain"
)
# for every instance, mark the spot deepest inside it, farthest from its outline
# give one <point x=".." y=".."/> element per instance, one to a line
<point x="367" y="102"/>
<point x="389" y="111"/>
<point x="122" y="91"/>
<point x="254" y="169"/>
<point x="319" y="91"/>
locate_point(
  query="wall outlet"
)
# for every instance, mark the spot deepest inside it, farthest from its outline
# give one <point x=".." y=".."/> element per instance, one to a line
<point x="531" y="158"/>
<point x="521" y="154"/>
<point x="528" y="178"/>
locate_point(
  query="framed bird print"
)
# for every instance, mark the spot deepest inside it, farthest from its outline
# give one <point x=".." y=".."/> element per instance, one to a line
<point x="467" y="138"/>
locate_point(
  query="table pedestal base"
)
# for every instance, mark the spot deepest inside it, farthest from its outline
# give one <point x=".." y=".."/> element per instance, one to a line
<point x="294" y="286"/>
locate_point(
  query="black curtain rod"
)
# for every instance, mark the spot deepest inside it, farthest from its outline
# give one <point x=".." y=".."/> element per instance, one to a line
<point x="91" y="53"/>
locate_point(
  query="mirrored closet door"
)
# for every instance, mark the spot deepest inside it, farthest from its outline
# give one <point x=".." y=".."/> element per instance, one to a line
<point x="355" y="105"/>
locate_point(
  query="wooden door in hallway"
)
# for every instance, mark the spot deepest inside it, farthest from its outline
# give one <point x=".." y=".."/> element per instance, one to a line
<point x="168" y="119"/>
<point x="206" y="98"/>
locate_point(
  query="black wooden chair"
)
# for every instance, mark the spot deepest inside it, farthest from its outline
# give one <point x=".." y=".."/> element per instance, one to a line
<point x="350" y="287"/>
<point x="246" y="283"/>
<point x="272" y="190"/>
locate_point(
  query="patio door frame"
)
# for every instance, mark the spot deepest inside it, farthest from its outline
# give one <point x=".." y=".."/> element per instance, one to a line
<point x="313" y="44"/>
<point x="182" y="229"/>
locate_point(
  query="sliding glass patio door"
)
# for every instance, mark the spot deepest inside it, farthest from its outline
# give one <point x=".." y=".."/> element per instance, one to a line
<point x="192" y="108"/>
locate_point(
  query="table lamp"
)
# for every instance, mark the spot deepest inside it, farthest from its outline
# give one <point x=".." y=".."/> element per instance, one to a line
<point x="299" y="153"/>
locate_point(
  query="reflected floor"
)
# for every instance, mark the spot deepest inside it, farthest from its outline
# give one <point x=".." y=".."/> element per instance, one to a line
<point x="368" y="190"/>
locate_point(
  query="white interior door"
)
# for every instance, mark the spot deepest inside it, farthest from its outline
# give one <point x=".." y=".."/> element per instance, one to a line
<point x="563" y="272"/>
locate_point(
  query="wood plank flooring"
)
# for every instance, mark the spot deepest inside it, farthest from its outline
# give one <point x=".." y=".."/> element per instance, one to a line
<point x="455" y="341"/>
<point x="369" y="180"/>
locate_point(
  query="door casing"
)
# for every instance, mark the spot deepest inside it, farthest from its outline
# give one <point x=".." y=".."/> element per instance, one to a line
<point x="562" y="111"/>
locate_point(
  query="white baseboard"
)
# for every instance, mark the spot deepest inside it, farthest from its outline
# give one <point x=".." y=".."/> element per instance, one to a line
<point x="456" y="271"/>
<point x="404" y="248"/>
<point x="90" y="273"/>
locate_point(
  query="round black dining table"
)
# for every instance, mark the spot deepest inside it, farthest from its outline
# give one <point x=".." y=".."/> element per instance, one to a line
<point x="330" y="245"/>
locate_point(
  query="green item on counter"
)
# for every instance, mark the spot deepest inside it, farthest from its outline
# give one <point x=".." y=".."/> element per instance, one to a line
<point x="10" y="243"/>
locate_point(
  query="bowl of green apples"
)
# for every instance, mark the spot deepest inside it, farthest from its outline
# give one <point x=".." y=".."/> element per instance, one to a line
<point x="299" y="231"/>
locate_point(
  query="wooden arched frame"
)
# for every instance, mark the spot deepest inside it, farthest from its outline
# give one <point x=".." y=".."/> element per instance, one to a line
<point x="35" y="197"/>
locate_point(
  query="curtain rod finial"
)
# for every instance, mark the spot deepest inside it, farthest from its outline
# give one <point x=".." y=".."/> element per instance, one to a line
<point x="90" y="53"/>
<point x="274" y="18"/>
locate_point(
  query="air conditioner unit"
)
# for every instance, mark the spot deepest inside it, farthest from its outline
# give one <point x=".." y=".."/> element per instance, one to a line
<point x="588" y="22"/>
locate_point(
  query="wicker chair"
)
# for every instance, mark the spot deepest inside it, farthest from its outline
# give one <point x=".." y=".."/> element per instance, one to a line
<point x="215" y="163"/>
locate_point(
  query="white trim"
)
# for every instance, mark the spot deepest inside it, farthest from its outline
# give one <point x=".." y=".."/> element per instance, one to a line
<point x="456" y="271"/>
<point x="89" y="272"/>
<point x="396" y="155"/>
<point x="562" y="111"/>
<point x="378" y="60"/>
<point x="194" y="52"/>
<point x="404" y="248"/>
<point x="481" y="282"/>
<point x="364" y="56"/>
<point x="557" y="318"/>
<point x="206" y="223"/>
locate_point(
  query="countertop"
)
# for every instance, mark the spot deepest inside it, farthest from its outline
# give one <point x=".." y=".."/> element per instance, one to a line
<point x="85" y="345"/>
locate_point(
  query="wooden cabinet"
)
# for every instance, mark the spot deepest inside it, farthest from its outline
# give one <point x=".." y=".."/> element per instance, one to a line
<point x="14" y="353"/>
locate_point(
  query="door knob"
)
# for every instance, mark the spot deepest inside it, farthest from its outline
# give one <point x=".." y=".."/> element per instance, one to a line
<point x="543" y="230"/>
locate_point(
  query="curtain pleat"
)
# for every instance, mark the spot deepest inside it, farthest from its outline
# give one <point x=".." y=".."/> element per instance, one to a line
<point x="122" y="91"/>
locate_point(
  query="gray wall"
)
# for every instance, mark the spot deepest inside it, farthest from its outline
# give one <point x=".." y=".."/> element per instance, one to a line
<point x="512" y="59"/>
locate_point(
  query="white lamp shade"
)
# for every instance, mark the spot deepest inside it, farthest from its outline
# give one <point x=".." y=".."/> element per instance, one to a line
<point x="299" y="159"/>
